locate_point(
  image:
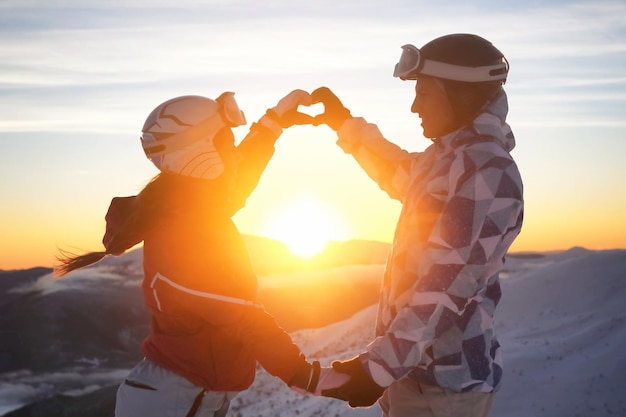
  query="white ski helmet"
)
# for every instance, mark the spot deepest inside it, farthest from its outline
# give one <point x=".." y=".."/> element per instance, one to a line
<point x="178" y="134"/>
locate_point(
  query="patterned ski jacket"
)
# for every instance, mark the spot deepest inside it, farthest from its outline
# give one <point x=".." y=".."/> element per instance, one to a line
<point x="462" y="208"/>
<point x="200" y="286"/>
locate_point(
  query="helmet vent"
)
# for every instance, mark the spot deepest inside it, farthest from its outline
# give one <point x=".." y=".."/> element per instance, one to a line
<point x="154" y="149"/>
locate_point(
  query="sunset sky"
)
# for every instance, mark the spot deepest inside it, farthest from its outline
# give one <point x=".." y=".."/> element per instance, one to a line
<point x="78" y="79"/>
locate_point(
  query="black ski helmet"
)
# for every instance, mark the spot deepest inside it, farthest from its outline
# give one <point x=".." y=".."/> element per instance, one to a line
<point x="458" y="57"/>
<point x="467" y="50"/>
<point x="470" y="68"/>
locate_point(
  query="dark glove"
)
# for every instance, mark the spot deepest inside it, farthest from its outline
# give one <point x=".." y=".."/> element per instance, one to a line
<point x="307" y="377"/>
<point x="360" y="390"/>
<point x="334" y="112"/>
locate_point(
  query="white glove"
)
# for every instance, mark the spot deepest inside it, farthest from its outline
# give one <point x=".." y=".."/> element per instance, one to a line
<point x="291" y="102"/>
<point x="328" y="379"/>
<point x="285" y="114"/>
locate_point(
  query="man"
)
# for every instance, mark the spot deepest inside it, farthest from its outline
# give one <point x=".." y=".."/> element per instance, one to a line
<point x="435" y="351"/>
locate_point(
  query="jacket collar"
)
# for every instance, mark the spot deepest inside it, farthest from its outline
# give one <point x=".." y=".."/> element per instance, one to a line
<point x="490" y="123"/>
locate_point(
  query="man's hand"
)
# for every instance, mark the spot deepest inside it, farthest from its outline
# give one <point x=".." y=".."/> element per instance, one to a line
<point x="334" y="111"/>
<point x="360" y="390"/>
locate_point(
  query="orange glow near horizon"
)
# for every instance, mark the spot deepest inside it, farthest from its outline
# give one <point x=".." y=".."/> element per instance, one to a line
<point x="306" y="225"/>
<point x="32" y="250"/>
<point x="304" y="222"/>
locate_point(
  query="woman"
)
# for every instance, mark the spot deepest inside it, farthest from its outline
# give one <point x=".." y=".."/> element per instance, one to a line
<point x="207" y="332"/>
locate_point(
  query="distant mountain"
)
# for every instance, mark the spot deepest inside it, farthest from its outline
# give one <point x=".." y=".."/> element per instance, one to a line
<point x="48" y="324"/>
<point x="99" y="403"/>
<point x="271" y="256"/>
<point x="10" y="279"/>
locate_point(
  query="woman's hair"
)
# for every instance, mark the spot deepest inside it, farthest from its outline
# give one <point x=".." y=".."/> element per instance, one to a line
<point x="138" y="215"/>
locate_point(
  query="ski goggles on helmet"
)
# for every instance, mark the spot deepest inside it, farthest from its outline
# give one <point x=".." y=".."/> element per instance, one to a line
<point x="412" y="64"/>
<point x="227" y="115"/>
<point x="229" y="109"/>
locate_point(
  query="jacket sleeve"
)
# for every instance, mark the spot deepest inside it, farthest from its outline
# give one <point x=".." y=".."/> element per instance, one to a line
<point x="384" y="162"/>
<point x="118" y="238"/>
<point x="255" y="150"/>
<point x="271" y="345"/>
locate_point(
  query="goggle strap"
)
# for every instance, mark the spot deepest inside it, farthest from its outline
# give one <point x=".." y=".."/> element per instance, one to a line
<point x="411" y="65"/>
<point x="466" y="74"/>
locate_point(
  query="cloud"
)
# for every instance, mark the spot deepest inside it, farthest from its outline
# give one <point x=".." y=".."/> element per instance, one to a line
<point x="84" y="279"/>
<point x="138" y="43"/>
<point x="84" y="65"/>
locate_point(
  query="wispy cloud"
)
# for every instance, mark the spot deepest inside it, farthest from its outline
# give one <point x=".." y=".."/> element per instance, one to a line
<point x="84" y="279"/>
<point x="78" y="65"/>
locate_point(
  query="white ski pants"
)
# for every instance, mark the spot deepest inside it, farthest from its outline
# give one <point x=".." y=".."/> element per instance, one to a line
<point x="150" y="390"/>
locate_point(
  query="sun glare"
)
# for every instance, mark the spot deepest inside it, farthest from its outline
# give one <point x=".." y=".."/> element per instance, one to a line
<point x="306" y="225"/>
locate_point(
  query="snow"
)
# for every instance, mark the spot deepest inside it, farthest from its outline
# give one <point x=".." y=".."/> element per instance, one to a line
<point x="561" y="323"/>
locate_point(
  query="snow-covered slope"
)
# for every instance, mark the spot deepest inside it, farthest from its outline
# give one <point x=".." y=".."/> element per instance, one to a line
<point x="562" y="324"/>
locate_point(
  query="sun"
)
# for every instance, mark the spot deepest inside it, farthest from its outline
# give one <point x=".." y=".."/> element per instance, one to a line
<point x="306" y="224"/>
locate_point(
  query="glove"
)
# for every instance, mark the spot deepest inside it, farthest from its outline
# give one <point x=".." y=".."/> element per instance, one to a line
<point x="334" y="112"/>
<point x="286" y="111"/>
<point x="285" y="114"/>
<point x="306" y="378"/>
<point x="328" y="379"/>
<point x="360" y="390"/>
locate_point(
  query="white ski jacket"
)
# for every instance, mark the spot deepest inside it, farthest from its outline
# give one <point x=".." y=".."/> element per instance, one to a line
<point x="462" y="207"/>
